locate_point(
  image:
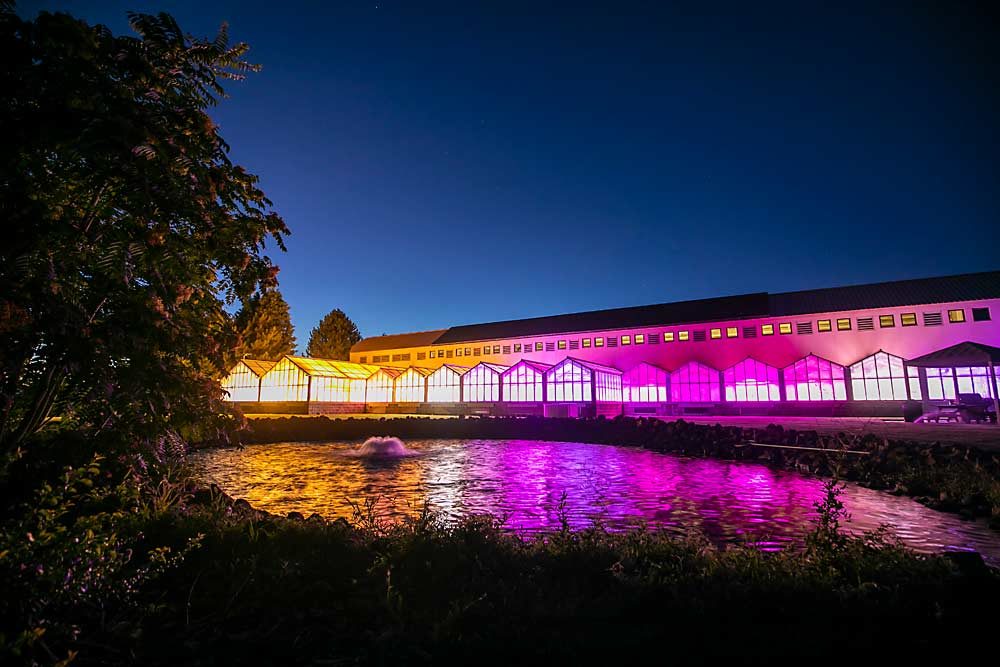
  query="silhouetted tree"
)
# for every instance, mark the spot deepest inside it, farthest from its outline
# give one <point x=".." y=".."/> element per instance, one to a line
<point x="126" y="228"/>
<point x="333" y="337"/>
<point x="265" y="327"/>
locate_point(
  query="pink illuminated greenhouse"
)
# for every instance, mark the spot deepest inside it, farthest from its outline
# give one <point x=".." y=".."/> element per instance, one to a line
<point x="694" y="382"/>
<point x="751" y="380"/>
<point x="576" y="380"/>
<point x="813" y="378"/>
<point x="524" y="382"/>
<point x="645" y="383"/>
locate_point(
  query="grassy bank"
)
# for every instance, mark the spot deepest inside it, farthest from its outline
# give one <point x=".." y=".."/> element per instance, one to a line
<point x="950" y="478"/>
<point x="257" y="589"/>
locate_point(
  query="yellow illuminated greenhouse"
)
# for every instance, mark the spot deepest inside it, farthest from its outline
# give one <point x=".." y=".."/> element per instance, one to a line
<point x="243" y="382"/>
<point x="324" y="385"/>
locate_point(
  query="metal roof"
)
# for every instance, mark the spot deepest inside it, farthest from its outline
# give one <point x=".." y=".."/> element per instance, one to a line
<point x="496" y="368"/>
<point x="398" y="341"/>
<point x="333" y="368"/>
<point x="960" y="354"/>
<point x="419" y="369"/>
<point x="966" y="287"/>
<point x="258" y="366"/>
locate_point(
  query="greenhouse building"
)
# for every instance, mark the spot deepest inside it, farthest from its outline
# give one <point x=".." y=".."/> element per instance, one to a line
<point x="885" y="349"/>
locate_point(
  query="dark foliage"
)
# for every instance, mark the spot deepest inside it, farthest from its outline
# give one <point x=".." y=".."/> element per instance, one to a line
<point x="333" y="337"/>
<point x="127" y="228"/>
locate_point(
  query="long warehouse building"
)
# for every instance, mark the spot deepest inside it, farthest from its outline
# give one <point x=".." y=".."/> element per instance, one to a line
<point x="884" y="349"/>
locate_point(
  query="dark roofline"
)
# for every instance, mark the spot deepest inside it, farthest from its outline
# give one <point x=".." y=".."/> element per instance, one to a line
<point x="911" y="292"/>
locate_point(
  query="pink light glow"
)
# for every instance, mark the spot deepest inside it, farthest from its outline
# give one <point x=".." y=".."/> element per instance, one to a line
<point x="752" y="380"/>
<point x="694" y="382"/>
<point x="815" y="379"/>
<point x="645" y="383"/>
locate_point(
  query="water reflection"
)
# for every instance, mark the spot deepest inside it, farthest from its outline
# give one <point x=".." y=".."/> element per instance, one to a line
<point x="534" y="483"/>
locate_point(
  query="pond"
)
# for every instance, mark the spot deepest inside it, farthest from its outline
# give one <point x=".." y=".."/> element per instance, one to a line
<point x="536" y="484"/>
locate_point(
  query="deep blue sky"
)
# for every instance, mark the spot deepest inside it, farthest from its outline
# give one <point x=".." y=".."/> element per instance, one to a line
<point x="447" y="164"/>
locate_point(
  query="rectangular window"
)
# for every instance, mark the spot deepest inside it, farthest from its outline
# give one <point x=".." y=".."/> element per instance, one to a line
<point x="980" y="314"/>
<point x="683" y="335"/>
<point x="598" y="342"/>
<point x="732" y="332"/>
<point x="956" y="316"/>
<point x="698" y="336"/>
<point x="803" y="328"/>
<point x="586" y="342"/>
<point x="363" y="360"/>
<point x="506" y="349"/>
<point x="844" y="324"/>
<point x="550" y="347"/>
<point x="562" y="345"/>
<point x="715" y="333"/>
<point x="626" y="340"/>
<point x="932" y="319"/>
<point x="517" y="347"/>
<point x="421" y="355"/>
<point x="785" y="328"/>
<point x="640" y="339"/>
<point x="866" y="324"/>
<point x="767" y="330"/>
<point x="654" y="339"/>
<point x="574" y="345"/>
<point x="433" y="353"/>
<point x="468" y="351"/>
<point x="668" y="336"/>
<point x="908" y="319"/>
<point x="824" y="325"/>
<point x="458" y="352"/>
<point x="447" y="354"/>
<point x="887" y="321"/>
<point x="612" y="341"/>
<point x="538" y="346"/>
<point x="496" y="349"/>
<point x="476" y="350"/>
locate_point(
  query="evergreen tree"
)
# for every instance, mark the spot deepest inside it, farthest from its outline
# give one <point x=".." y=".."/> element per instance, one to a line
<point x="333" y="337"/>
<point x="265" y="326"/>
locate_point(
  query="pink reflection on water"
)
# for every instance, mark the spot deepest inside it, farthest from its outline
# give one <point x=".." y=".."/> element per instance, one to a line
<point x="535" y="484"/>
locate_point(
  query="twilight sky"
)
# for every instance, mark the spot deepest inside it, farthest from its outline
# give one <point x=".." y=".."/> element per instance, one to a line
<point x="443" y="164"/>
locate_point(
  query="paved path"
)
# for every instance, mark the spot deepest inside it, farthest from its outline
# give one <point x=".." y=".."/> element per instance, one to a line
<point x="984" y="436"/>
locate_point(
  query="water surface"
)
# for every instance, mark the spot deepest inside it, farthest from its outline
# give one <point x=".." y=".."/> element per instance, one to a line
<point x="535" y="483"/>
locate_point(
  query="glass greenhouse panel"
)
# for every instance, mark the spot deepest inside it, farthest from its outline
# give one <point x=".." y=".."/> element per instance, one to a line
<point x="482" y="383"/>
<point x="524" y="382"/>
<point x="570" y="381"/>
<point x="645" y="383"/>
<point x="815" y="379"/>
<point x="751" y="381"/>
<point x="411" y="386"/>
<point x="380" y="386"/>
<point x="445" y="384"/>
<point x="285" y="382"/>
<point x="880" y="377"/>
<point x="694" y="383"/>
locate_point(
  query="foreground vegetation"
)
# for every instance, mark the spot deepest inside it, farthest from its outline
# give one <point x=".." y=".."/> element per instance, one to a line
<point x="97" y="570"/>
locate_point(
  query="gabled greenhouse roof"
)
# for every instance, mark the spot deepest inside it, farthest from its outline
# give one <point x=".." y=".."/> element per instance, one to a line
<point x="334" y="369"/>
<point x="539" y="366"/>
<point x="258" y="366"/>
<point x="419" y="369"/>
<point x="391" y="371"/>
<point x="497" y="368"/>
<point x="592" y="366"/>
<point x="461" y="370"/>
